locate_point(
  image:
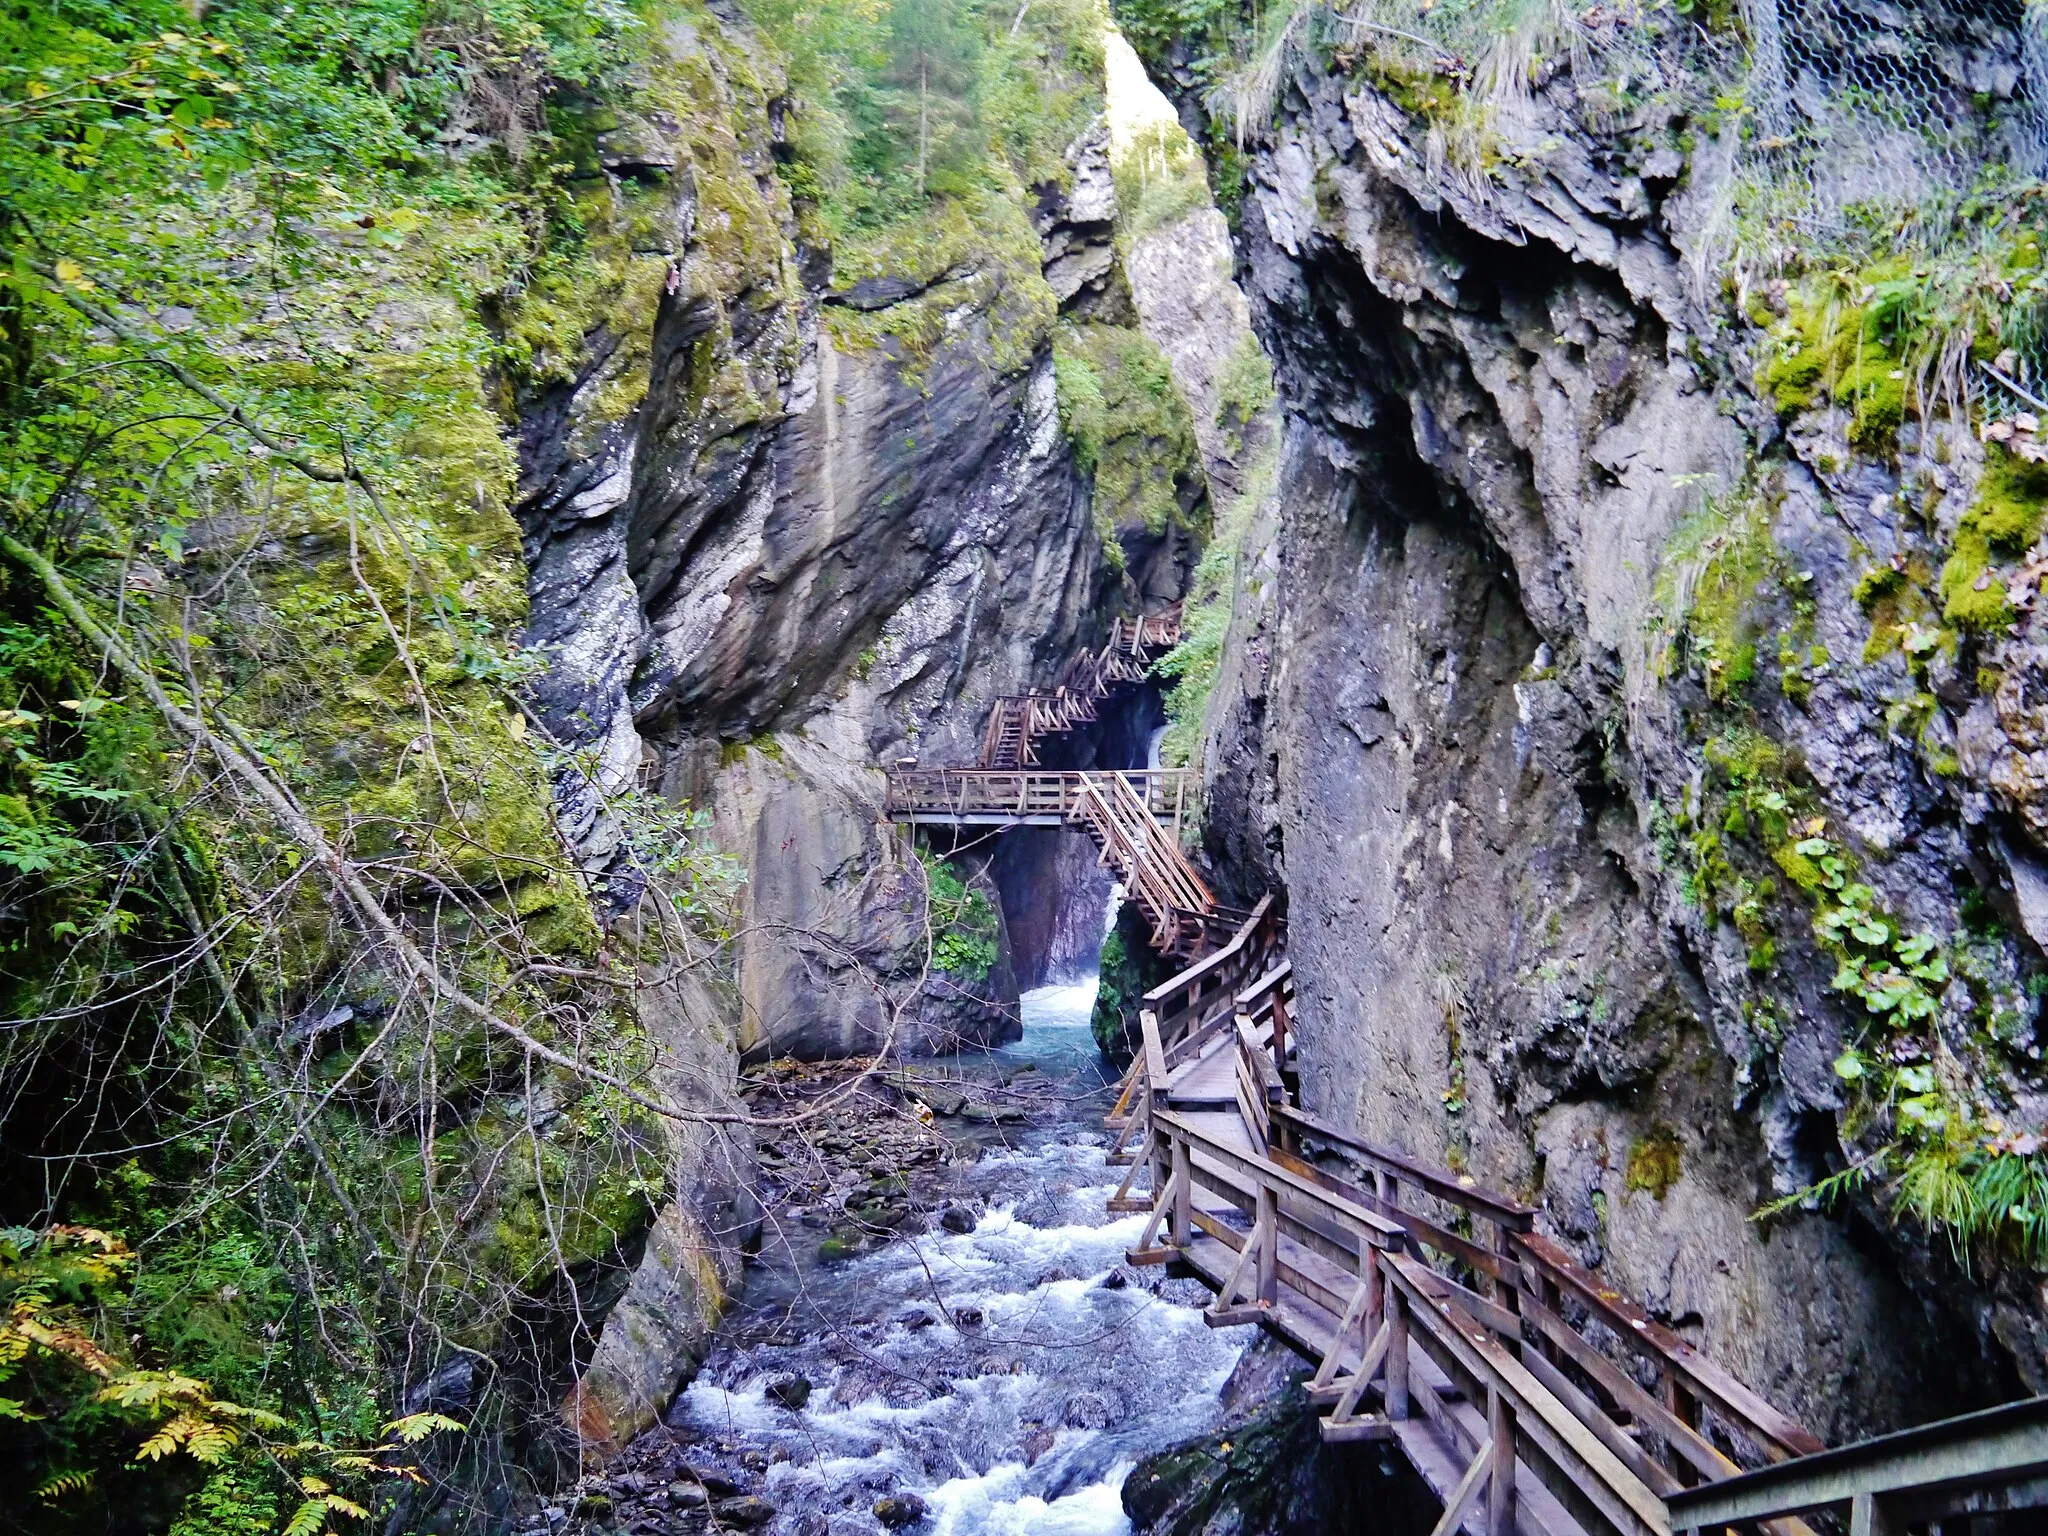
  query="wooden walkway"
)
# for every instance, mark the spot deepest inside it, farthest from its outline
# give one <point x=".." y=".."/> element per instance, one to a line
<point x="1523" y="1389"/>
<point x="1134" y="817"/>
<point x="1527" y="1391"/>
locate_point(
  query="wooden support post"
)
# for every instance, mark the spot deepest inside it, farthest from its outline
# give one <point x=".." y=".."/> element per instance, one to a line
<point x="1123" y="1199"/>
<point x="1467" y="1491"/>
<point x="1183" y="1180"/>
<point x="1361" y="1314"/>
<point x="1507" y="1291"/>
<point x="1162" y="1161"/>
<point x="1500" y="1432"/>
<point x="1269" y="1254"/>
<point x="1868" y="1516"/>
<point x="1397" y="1354"/>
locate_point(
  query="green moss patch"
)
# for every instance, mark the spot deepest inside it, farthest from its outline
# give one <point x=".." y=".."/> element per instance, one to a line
<point x="1655" y="1161"/>
<point x="2001" y="525"/>
<point x="1130" y="428"/>
<point x="1842" y="344"/>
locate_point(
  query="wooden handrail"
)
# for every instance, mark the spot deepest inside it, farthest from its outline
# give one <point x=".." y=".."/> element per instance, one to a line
<point x="1455" y="1188"/>
<point x="1543" y="1424"/>
<point x="1155" y="1054"/>
<point x="1125" y="657"/>
<point x="1778" y="1435"/>
<point x="1213" y="962"/>
<point x="1254" y="994"/>
<point x="1370" y="1225"/>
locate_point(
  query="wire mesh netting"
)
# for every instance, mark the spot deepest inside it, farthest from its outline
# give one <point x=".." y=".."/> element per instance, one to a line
<point x="1832" y="132"/>
<point x="1847" y="109"/>
<point x="1863" y="110"/>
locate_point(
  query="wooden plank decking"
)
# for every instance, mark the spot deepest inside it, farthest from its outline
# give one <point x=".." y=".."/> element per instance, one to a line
<point x="1435" y="1313"/>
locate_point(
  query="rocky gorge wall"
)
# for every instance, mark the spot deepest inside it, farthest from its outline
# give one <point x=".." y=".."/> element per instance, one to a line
<point x="1561" y="673"/>
<point x="561" y="452"/>
<point x="840" y="519"/>
<point x="788" y="520"/>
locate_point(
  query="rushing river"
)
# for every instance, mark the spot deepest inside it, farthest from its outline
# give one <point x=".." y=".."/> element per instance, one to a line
<point x="999" y="1379"/>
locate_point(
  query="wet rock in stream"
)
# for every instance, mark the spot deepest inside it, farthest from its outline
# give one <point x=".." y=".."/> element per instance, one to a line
<point x="1266" y="1472"/>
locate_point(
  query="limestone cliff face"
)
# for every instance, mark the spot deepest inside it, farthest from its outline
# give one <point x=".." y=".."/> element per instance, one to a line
<point x="1452" y="730"/>
<point x="783" y="530"/>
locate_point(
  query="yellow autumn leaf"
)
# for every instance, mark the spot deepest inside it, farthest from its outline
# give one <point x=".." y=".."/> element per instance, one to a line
<point x="71" y="273"/>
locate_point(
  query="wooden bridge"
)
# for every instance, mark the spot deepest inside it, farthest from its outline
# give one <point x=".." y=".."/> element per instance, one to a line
<point x="1134" y="817"/>
<point x="1530" y="1394"/>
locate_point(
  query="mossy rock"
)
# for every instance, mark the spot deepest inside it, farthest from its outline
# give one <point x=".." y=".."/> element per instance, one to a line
<point x="1832" y="351"/>
<point x="1130" y="428"/>
<point x="2002" y="524"/>
<point x="1655" y="1161"/>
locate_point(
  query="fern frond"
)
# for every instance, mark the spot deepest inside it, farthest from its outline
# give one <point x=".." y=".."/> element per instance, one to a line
<point x="165" y="1442"/>
<point x="1828" y="1190"/>
<point x="210" y="1442"/>
<point x="56" y="1487"/>
<point x="417" y="1426"/>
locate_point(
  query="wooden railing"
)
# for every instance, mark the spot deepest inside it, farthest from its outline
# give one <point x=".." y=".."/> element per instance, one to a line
<point x="1146" y="855"/>
<point x="1648" y="1398"/>
<point x="1134" y="817"/>
<point x="951" y="793"/>
<point x="1189" y="1011"/>
<point x="1207" y="990"/>
<point x="1016" y="721"/>
<point x="1543" y="1398"/>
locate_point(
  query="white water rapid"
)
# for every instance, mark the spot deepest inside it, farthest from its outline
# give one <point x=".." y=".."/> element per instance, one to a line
<point x="1007" y="1376"/>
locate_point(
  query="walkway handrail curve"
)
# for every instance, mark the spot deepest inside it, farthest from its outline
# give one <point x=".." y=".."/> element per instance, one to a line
<point x="1594" y="1414"/>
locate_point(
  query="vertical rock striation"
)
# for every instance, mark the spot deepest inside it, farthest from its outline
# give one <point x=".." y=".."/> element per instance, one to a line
<point x="782" y="530"/>
<point x="1495" y="797"/>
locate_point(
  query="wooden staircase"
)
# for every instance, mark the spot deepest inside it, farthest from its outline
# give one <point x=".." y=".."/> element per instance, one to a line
<point x="1018" y="720"/>
<point x="1125" y="812"/>
<point x="1527" y="1392"/>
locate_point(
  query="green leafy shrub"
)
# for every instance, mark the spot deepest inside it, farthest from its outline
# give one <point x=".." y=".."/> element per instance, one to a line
<point x="1159" y="181"/>
<point x="963" y="920"/>
<point x="274" y="276"/>
<point x="1708" y="583"/>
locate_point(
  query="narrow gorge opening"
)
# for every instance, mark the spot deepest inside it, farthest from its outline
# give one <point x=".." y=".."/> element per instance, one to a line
<point x="1058" y="895"/>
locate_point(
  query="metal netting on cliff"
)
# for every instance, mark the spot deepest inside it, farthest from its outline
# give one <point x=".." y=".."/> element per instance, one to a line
<point x="1827" y="132"/>
<point x="1865" y="113"/>
<point x="1849" y="113"/>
